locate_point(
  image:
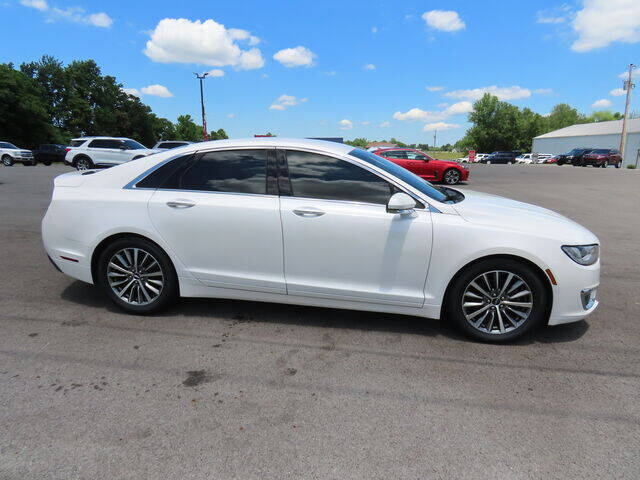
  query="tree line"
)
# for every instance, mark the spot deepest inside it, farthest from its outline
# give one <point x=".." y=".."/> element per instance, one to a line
<point x="47" y="102"/>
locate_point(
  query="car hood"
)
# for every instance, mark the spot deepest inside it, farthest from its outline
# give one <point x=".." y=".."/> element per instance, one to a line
<point x="504" y="213"/>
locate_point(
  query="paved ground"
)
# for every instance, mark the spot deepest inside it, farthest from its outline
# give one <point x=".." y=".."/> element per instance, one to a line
<point x="225" y="389"/>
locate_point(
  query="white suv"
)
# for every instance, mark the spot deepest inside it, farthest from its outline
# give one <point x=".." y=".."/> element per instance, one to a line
<point x="9" y="154"/>
<point x="89" y="152"/>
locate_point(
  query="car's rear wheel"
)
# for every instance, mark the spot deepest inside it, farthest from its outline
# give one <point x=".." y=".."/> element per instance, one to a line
<point x="488" y="162"/>
<point x="497" y="300"/>
<point x="47" y="163"/>
<point x="83" y="163"/>
<point x="618" y="165"/>
<point x="137" y="275"/>
<point x="7" y="161"/>
<point x="451" y="176"/>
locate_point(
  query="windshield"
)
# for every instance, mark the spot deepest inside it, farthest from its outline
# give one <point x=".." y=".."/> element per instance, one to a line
<point x="600" y="152"/>
<point x="133" y="145"/>
<point x="402" y="174"/>
<point x="578" y="151"/>
<point x="8" y="145"/>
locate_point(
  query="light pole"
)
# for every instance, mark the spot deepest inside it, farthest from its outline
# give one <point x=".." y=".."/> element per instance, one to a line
<point x="205" y="136"/>
<point x="628" y="85"/>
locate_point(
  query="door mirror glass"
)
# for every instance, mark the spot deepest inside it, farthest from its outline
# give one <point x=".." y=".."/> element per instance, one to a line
<point x="401" y="203"/>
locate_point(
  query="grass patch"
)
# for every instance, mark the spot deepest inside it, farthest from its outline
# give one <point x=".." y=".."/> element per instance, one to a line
<point x="445" y="155"/>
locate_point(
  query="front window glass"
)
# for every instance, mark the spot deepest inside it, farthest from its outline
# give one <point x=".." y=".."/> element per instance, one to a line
<point x="600" y="152"/>
<point x="400" y="173"/>
<point x="133" y="145"/>
<point x="416" y="155"/>
<point x="236" y="171"/>
<point x="319" y="176"/>
<point x="8" y="145"/>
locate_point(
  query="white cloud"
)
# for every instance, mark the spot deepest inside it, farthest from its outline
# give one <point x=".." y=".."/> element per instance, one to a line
<point x="374" y="29"/>
<point x="419" y="115"/>
<point x="231" y="115"/>
<point x="503" y="93"/>
<point x="634" y="74"/>
<point x="445" y="20"/>
<point x="285" y="101"/>
<point x="443" y="105"/>
<point x="157" y="91"/>
<point x="434" y="88"/>
<point x="543" y="91"/>
<point x="295" y="57"/>
<point x="546" y="19"/>
<point x="601" y="22"/>
<point x="37" y="4"/>
<point x="366" y="122"/>
<point x="385" y="124"/>
<point x="178" y="40"/>
<point x="330" y="73"/>
<point x="216" y="72"/>
<point x="131" y="91"/>
<point x="602" y="103"/>
<point x="617" y="92"/>
<point x="345" y="124"/>
<point x="71" y="14"/>
<point x="441" y="126"/>
<point x="369" y="66"/>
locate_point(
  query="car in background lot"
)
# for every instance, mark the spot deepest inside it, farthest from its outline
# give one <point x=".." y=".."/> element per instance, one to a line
<point x="167" y="144"/>
<point x="501" y="157"/>
<point x="89" y="152"/>
<point x="602" y="157"/>
<point x="49" y="153"/>
<point x="10" y="154"/>
<point x="239" y="218"/>
<point x="552" y="159"/>
<point x="574" y="157"/>
<point x="424" y="166"/>
<point x="525" y="158"/>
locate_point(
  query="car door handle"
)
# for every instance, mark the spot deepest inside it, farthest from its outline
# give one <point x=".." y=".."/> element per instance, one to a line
<point x="308" y="212"/>
<point x="181" y="204"/>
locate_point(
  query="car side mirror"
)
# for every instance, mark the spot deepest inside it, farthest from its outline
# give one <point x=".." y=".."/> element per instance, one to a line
<point x="401" y="203"/>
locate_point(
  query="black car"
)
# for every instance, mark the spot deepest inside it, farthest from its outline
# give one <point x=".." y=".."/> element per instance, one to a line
<point x="501" y="157"/>
<point x="49" y="153"/>
<point x="574" y="157"/>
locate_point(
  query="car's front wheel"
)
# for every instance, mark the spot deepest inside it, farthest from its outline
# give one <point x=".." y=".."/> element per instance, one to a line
<point x="451" y="176"/>
<point x="497" y="300"/>
<point x="83" y="163"/>
<point x="7" y="161"/>
<point x="137" y="275"/>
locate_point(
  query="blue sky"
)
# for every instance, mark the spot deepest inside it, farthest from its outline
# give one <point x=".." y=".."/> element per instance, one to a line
<point x="374" y="69"/>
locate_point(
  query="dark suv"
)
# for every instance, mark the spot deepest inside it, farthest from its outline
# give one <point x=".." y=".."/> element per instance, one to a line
<point x="49" y="153"/>
<point x="602" y="157"/>
<point x="574" y="157"/>
<point x="501" y="157"/>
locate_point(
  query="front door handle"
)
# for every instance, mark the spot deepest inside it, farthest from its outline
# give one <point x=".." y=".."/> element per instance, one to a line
<point x="308" y="212"/>
<point x="181" y="204"/>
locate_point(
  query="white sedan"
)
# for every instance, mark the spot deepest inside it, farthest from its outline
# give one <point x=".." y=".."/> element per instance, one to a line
<point x="310" y="222"/>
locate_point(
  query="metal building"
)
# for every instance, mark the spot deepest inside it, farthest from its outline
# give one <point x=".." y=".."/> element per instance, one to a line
<point x="592" y="135"/>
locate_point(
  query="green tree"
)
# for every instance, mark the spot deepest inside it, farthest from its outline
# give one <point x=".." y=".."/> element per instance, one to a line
<point x="25" y="117"/>
<point x="530" y="125"/>
<point x="495" y="125"/>
<point x="604" y="116"/>
<point x="358" y="142"/>
<point x="186" y="129"/>
<point x="219" y="134"/>
<point x="563" y="115"/>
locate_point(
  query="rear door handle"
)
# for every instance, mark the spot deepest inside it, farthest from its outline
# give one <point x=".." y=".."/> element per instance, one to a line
<point x="181" y="203"/>
<point x="308" y="212"/>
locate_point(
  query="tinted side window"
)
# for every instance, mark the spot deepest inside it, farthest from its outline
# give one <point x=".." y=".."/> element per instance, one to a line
<point x="319" y="176"/>
<point x="113" y="143"/>
<point x="158" y="178"/>
<point x="76" y="143"/>
<point x="395" y="154"/>
<point x="416" y="156"/>
<point x="98" y="144"/>
<point x="237" y="171"/>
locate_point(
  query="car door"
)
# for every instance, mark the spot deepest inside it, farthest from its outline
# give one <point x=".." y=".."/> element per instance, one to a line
<point x="217" y="216"/>
<point x="340" y="242"/>
<point x="102" y="151"/>
<point x="421" y="165"/>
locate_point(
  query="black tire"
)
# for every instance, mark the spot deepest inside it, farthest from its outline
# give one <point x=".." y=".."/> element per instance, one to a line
<point x="137" y="158"/>
<point x="82" y="162"/>
<point x="451" y="176"/>
<point x="168" y="292"/>
<point x="618" y="165"/>
<point x="453" y="305"/>
<point x="47" y="163"/>
<point x="7" y="160"/>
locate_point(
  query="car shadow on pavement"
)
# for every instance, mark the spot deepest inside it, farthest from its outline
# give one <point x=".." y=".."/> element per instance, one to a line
<point x="275" y="313"/>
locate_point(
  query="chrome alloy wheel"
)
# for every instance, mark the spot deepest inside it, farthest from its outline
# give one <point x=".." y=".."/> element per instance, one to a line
<point x="497" y="302"/>
<point x="451" y="177"/>
<point x="82" y="164"/>
<point x="135" y="276"/>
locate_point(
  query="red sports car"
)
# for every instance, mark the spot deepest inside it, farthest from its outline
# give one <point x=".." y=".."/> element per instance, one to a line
<point x="424" y="166"/>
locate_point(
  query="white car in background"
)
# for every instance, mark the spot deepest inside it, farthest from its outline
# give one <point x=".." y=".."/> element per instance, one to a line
<point x="85" y="153"/>
<point x="525" y="158"/>
<point x="168" y="144"/>
<point x="318" y="223"/>
<point x="542" y="157"/>
<point x="10" y="154"/>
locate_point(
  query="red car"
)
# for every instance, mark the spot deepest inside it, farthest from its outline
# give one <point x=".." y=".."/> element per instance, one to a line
<point x="424" y="166"/>
<point x="602" y="157"/>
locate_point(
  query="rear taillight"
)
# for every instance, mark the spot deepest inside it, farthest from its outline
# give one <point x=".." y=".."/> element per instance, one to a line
<point x="67" y="149"/>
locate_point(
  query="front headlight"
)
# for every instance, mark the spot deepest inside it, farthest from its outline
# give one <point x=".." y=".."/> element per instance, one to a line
<point x="582" y="254"/>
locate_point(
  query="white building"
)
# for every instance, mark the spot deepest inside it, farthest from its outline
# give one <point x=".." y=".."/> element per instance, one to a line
<point x="592" y="135"/>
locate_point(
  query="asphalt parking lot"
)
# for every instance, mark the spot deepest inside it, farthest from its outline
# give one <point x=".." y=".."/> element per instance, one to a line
<point x="229" y="389"/>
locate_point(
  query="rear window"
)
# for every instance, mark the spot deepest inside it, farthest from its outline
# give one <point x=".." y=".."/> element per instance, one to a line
<point x="601" y="151"/>
<point x="76" y="143"/>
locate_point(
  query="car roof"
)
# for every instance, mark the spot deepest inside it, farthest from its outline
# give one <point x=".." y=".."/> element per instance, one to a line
<point x="101" y="138"/>
<point x="273" y="142"/>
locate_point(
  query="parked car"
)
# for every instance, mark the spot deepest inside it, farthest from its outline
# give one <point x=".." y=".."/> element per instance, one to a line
<point x="574" y="157"/>
<point x="553" y="159"/>
<point x="424" y="166"/>
<point x="525" y="158"/>
<point x="9" y="154"/>
<point x="500" y="157"/>
<point x="89" y="152"/>
<point x="541" y="157"/>
<point x="309" y="222"/>
<point x="49" y="153"/>
<point x="602" y="157"/>
<point x="167" y="144"/>
<point x="480" y="156"/>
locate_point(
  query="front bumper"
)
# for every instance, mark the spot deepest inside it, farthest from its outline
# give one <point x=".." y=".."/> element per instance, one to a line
<point x="569" y="303"/>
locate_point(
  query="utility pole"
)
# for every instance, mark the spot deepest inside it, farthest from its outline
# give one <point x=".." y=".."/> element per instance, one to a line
<point x="434" y="138"/>
<point x="205" y="136"/>
<point x="628" y="86"/>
